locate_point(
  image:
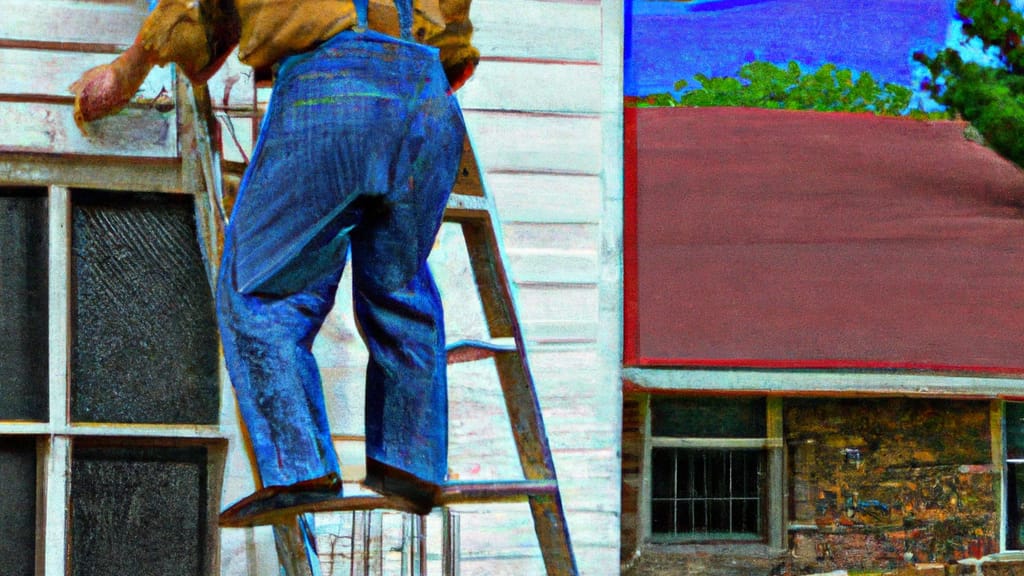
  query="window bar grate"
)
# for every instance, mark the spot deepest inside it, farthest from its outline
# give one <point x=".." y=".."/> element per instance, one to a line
<point x="712" y="491"/>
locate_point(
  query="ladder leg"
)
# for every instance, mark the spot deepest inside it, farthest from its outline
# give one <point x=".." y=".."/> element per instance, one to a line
<point x="451" y="545"/>
<point x="520" y="394"/>
<point x="296" y="547"/>
<point x="534" y="452"/>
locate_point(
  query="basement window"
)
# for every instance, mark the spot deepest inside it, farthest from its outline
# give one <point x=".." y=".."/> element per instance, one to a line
<point x="707" y="493"/>
<point x="707" y="477"/>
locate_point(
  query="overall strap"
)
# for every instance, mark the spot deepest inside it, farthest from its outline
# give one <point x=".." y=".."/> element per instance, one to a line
<point x="404" y="8"/>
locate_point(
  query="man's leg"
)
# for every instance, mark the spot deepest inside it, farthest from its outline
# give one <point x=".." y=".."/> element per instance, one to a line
<point x="406" y="384"/>
<point x="267" y="341"/>
<point x="399" y="308"/>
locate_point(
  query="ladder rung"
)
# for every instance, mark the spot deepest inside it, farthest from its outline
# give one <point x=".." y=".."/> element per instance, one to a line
<point x="365" y="501"/>
<point x="473" y="350"/>
<point x="467" y="207"/>
<point x="451" y="493"/>
<point x="466" y="492"/>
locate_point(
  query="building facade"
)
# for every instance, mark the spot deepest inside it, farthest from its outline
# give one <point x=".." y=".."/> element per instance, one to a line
<point x="821" y="345"/>
<point x="119" y="438"/>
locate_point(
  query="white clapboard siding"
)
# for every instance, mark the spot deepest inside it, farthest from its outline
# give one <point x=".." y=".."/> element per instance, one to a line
<point x="534" y="86"/>
<point x="554" y="265"/>
<point x="537" y="29"/>
<point x="233" y="96"/>
<point x="505" y="531"/>
<point x="238" y="136"/>
<point x="106" y="25"/>
<point x="546" y="198"/>
<point x="50" y="72"/>
<point x="540" y="253"/>
<point x="232" y="87"/>
<point x="578" y="489"/>
<point x="569" y="305"/>
<point x="571" y="236"/>
<point x="599" y="561"/>
<point x="28" y="74"/>
<point x="44" y="46"/>
<point x="535" y="112"/>
<point x="553" y="143"/>
<point x="50" y="128"/>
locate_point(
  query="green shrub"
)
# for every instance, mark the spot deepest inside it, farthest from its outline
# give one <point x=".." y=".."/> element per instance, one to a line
<point x="765" y="85"/>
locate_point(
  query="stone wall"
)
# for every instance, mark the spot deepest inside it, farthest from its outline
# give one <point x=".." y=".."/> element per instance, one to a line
<point x="877" y="482"/>
<point x="886" y="484"/>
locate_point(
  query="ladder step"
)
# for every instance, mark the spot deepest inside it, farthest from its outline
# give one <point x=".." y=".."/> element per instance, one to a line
<point x="473" y="350"/>
<point x="451" y="493"/>
<point x="505" y="491"/>
<point x="463" y="207"/>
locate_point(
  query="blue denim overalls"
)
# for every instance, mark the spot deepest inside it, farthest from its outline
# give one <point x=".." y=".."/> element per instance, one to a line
<point x="358" y="152"/>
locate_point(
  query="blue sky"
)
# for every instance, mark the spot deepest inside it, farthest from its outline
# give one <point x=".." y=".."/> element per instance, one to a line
<point x="668" y="40"/>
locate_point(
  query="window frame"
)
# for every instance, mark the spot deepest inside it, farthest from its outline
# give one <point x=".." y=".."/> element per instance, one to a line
<point x="1002" y="461"/>
<point x="772" y="447"/>
<point x="56" y="436"/>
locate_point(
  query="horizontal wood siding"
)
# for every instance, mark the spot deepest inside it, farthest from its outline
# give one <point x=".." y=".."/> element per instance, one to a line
<point x="45" y="45"/>
<point x="50" y="128"/>
<point x="536" y="143"/>
<point x="534" y="86"/>
<point x="237" y="108"/>
<point x="537" y="30"/>
<point x="111" y="24"/>
<point x="43" y="72"/>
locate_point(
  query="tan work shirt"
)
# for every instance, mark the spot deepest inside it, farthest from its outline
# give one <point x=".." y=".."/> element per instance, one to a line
<point x="197" y="34"/>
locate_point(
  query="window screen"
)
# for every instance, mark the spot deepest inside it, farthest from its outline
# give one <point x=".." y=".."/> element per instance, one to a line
<point x="17" y="506"/>
<point x="708" y="417"/>
<point x="23" y="305"/>
<point x="701" y="488"/>
<point x="139" y="510"/>
<point x="145" y="343"/>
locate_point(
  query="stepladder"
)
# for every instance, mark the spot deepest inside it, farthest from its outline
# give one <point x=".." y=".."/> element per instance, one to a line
<point x="472" y="209"/>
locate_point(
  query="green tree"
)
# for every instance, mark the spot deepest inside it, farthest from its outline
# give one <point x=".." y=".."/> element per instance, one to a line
<point x="765" y="85"/>
<point x="989" y="96"/>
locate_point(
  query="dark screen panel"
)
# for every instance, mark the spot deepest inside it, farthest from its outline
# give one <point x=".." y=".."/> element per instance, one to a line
<point x="1015" y="430"/>
<point x="145" y="341"/>
<point x="1015" y="506"/>
<point x="23" y="305"/>
<point x="708" y="417"/>
<point x="17" y="506"/>
<point x="139" y="511"/>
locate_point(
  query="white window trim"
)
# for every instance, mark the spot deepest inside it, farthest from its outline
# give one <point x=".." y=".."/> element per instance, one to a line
<point x="55" y="436"/>
<point x="1000" y="461"/>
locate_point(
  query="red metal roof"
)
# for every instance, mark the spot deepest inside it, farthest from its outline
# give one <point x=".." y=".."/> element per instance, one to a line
<point x="758" y="238"/>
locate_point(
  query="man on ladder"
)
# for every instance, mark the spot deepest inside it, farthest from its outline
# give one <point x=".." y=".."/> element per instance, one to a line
<point x="358" y="151"/>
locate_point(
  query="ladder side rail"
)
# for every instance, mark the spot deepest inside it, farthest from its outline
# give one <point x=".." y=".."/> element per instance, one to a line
<point x="200" y="172"/>
<point x="487" y="260"/>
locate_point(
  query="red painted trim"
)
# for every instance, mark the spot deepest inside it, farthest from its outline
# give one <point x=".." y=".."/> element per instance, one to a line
<point x="90" y="47"/>
<point x="825" y="364"/>
<point x="630" y="289"/>
<point x="552" y="61"/>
